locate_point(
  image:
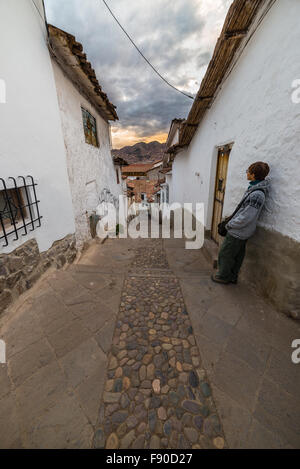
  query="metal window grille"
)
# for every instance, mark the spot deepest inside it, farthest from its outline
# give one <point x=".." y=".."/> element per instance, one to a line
<point x="19" y="209"/>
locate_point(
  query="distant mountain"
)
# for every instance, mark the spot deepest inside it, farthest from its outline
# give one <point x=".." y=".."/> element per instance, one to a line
<point x="141" y="152"/>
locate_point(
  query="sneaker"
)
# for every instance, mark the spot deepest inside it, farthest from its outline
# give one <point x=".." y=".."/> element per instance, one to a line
<point x="217" y="279"/>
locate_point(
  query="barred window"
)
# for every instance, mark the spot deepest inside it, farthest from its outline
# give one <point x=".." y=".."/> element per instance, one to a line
<point x="90" y="128"/>
<point x="19" y="210"/>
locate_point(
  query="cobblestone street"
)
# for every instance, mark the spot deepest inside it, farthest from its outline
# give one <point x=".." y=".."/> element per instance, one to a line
<point x="156" y="395"/>
<point x="149" y="228"/>
<point x="135" y="347"/>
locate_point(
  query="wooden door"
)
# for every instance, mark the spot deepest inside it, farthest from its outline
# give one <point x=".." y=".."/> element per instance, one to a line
<point x="220" y="186"/>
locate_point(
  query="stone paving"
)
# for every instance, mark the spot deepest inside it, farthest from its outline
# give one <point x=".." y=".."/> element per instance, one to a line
<point x="245" y="346"/>
<point x="57" y="340"/>
<point x="156" y="394"/>
<point x="68" y="340"/>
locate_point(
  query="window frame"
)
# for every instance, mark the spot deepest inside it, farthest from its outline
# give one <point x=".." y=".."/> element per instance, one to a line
<point x="21" y="210"/>
<point x="85" y="114"/>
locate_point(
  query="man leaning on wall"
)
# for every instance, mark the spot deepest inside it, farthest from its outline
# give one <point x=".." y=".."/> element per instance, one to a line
<point x="241" y="225"/>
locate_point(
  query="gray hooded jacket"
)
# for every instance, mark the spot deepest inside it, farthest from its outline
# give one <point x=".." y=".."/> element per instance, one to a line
<point x="243" y="224"/>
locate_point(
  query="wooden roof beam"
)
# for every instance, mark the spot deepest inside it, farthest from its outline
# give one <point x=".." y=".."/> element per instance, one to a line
<point x="203" y="98"/>
<point x="237" y="34"/>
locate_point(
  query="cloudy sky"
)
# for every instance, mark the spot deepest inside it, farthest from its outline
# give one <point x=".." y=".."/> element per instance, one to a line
<point x="177" y="36"/>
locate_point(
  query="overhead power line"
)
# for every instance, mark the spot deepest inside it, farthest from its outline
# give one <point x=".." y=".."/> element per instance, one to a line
<point x="141" y="53"/>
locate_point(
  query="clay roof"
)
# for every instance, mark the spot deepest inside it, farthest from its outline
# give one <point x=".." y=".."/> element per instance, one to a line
<point x="238" y="20"/>
<point x="137" y="168"/>
<point x="71" y="57"/>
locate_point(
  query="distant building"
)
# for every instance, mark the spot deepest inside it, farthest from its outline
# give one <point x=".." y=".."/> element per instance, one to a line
<point x="133" y="171"/>
<point x="154" y="173"/>
<point x="244" y="112"/>
<point x="166" y="170"/>
<point x="118" y="164"/>
<point x="143" y="181"/>
<point x="142" y="190"/>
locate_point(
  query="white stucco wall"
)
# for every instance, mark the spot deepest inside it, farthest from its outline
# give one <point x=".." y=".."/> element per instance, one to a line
<point x="122" y="182"/>
<point x="91" y="169"/>
<point x="30" y="129"/>
<point x="254" y="110"/>
<point x="169" y="181"/>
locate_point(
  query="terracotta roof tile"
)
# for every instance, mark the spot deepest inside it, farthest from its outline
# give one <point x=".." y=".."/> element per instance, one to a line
<point x="137" y="168"/>
<point x="64" y="46"/>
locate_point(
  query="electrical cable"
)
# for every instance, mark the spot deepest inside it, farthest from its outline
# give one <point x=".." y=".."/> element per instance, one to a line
<point x="141" y="53"/>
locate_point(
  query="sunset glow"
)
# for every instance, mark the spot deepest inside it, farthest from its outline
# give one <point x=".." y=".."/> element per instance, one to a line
<point x="123" y="137"/>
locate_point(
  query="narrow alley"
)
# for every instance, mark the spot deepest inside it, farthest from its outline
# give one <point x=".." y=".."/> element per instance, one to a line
<point x="115" y="115"/>
<point x="135" y="347"/>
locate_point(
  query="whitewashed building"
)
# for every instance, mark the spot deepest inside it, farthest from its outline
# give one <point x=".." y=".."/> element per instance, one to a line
<point x="118" y="164"/>
<point x="85" y="114"/>
<point x="171" y="142"/>
<point x="247" y="109"/>
<point x="52" y="173"/>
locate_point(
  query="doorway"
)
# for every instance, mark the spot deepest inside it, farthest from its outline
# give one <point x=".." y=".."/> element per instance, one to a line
<point x="220" y="186"/>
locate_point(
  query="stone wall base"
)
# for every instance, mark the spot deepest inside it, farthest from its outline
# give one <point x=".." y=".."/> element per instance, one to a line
<point x="272" y="265"/>
<point x="20" y="269"/>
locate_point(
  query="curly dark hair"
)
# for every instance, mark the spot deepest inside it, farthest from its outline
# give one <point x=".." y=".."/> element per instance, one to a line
<point x="260" y="170"/>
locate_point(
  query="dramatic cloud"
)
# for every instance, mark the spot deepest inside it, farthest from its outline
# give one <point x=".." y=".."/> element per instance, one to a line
<point x="177" y="36"/>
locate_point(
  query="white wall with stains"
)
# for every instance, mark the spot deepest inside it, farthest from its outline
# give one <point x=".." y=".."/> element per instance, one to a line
<point x="254" y="110"/>
<point x="91" y="170"/>
<point x="31" y="139"/>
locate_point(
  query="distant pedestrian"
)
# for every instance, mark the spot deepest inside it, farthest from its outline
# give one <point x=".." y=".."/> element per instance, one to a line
<point x="238" y="228"/>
